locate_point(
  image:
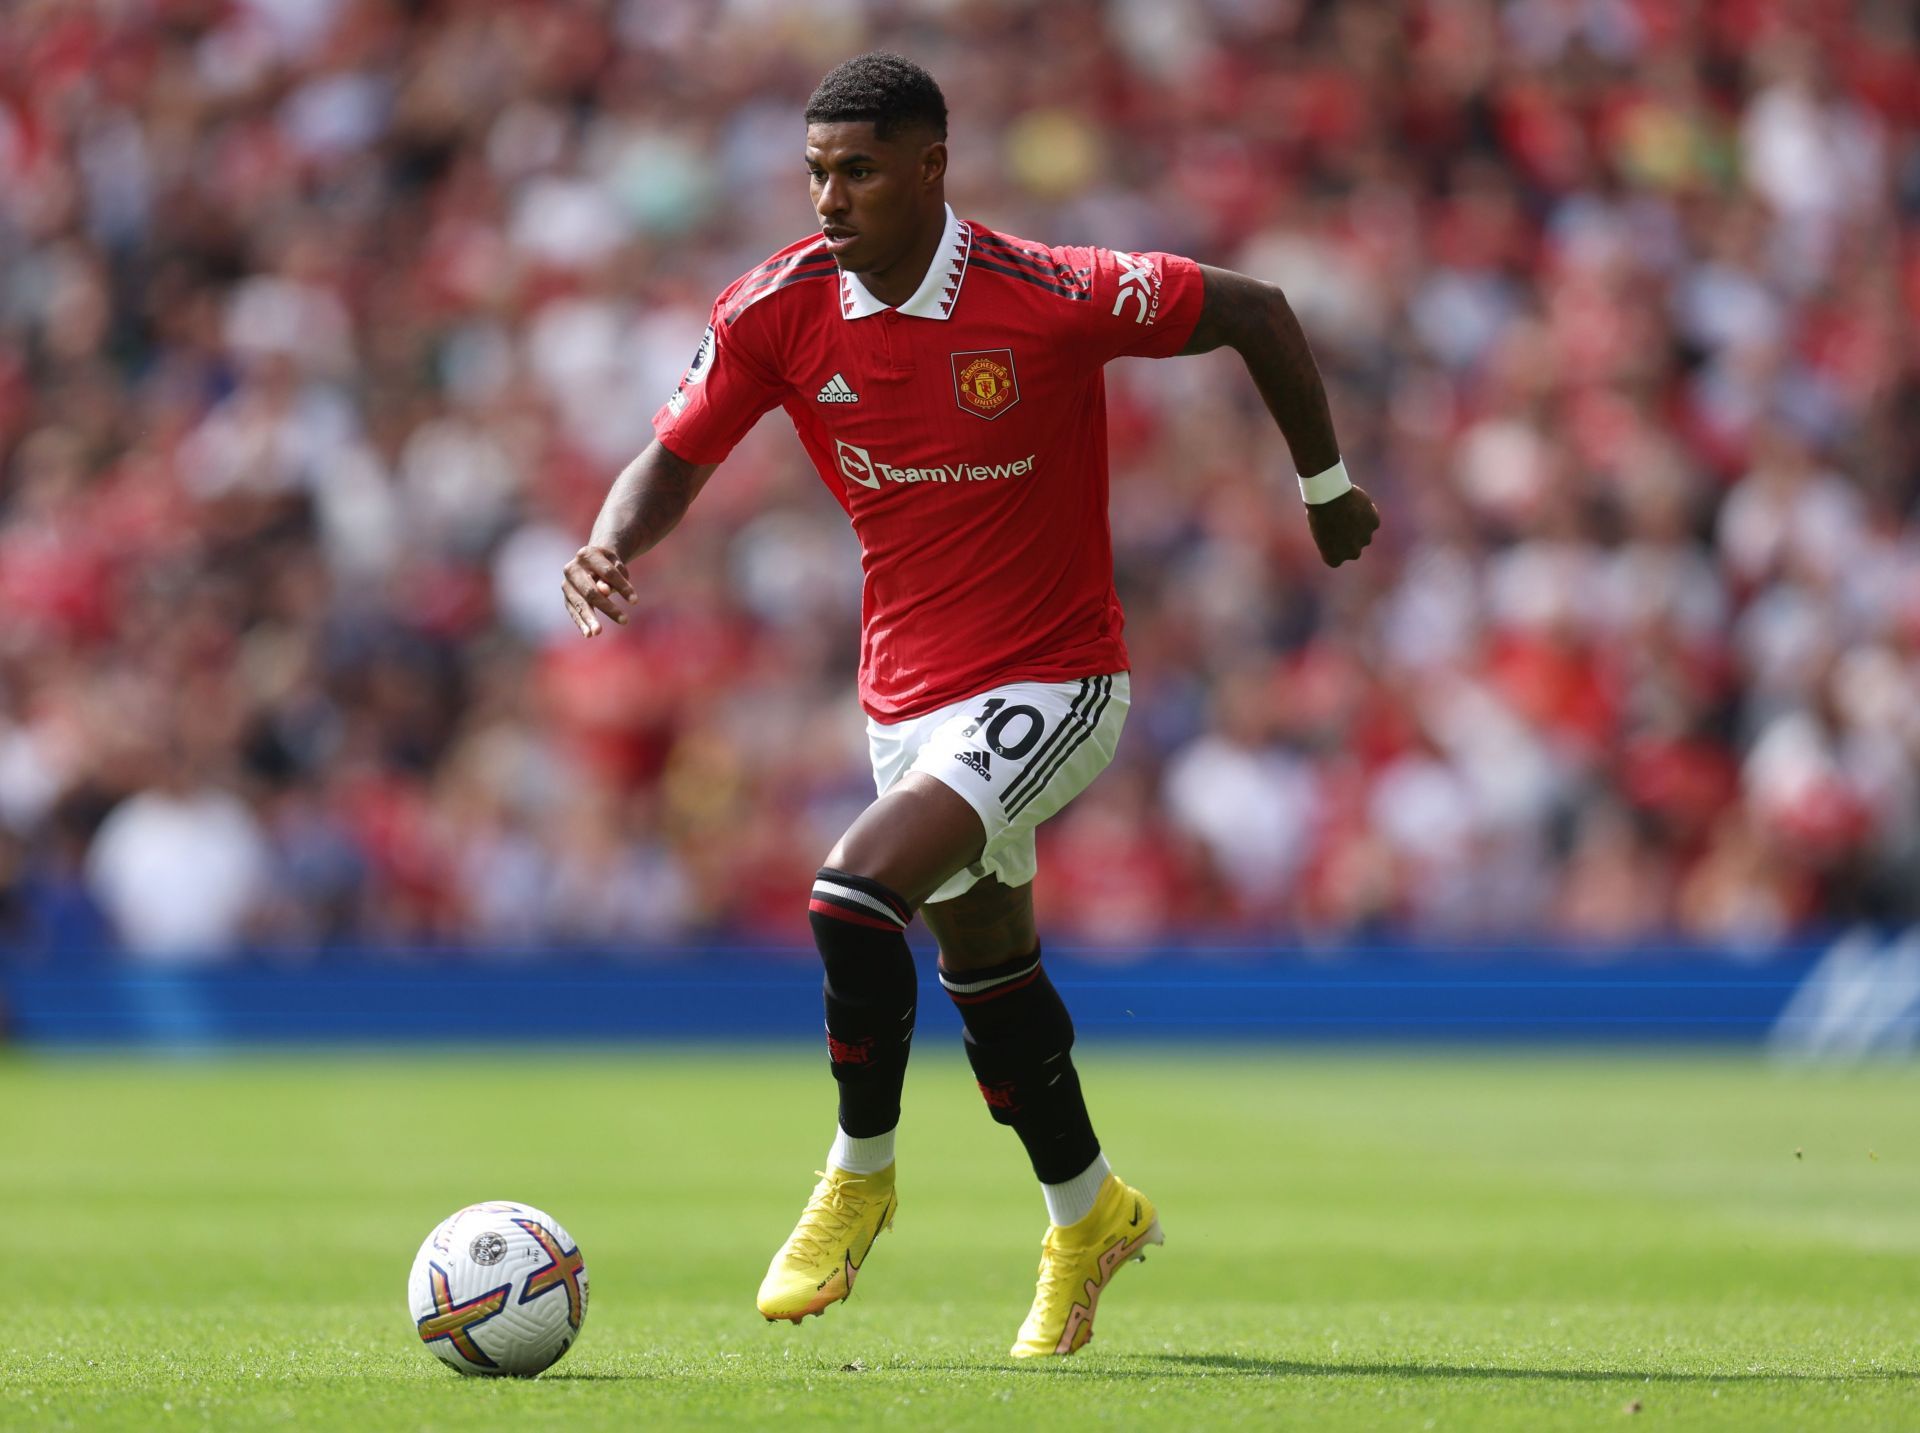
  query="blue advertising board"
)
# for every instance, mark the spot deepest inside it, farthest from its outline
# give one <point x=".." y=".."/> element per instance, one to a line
<point x="1862" y="993"/>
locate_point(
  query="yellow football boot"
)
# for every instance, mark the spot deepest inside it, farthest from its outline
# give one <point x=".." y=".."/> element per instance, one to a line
<point x="1078" y="1262"/>
<point x="823" y="1256"/>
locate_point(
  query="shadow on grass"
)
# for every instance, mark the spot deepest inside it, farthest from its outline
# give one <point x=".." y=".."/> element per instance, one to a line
<point x="1231" y="1365"/>
<point x="1215" y="1365"/>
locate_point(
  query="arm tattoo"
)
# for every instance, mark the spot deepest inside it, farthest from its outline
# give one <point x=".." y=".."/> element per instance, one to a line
<point x="1255" y="320"/>
<point x="647" y="500"/>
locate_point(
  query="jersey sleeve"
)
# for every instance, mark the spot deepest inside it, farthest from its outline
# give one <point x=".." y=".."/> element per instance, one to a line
<point x="721" y="396"/>
<point x="1142" y="305"/>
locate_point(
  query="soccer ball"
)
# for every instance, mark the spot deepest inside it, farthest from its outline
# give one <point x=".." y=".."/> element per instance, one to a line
<point x="498" y="1288"/>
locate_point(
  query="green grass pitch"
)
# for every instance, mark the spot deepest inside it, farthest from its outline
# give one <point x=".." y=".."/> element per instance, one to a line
<point x="1353" y="1242"/>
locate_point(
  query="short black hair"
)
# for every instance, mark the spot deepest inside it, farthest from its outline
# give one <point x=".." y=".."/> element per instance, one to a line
<point x="887" y="90"/>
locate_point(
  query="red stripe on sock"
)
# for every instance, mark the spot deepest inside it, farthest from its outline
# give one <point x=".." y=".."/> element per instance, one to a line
<point x="997" y="991"/>
<point x="873" y="889"/>
<point x="841" y="913"/>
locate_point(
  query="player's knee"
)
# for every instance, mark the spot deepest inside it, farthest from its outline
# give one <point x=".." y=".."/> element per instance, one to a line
<point x="912" y="839"/>
<point x="847" y="905"/>
<point x="905" y="871"/>
<point x="855" y="854"/>
<point x="1011" y="1011"/>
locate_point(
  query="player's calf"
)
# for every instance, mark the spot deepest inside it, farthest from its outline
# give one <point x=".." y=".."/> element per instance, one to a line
<point x="1019" y="1040"/>
<point x="870" y="991"/>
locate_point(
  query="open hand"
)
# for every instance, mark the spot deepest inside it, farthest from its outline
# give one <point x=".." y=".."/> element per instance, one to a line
<point x="1344" y="526"/>
<point x="595" y="581"/>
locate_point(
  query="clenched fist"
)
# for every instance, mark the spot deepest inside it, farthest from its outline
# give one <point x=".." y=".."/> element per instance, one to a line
<point x="1344" y="526"/>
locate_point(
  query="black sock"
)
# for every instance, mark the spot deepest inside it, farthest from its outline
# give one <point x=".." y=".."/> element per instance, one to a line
<point x="870" y="991"/>
<point x="1018" y="1038"/>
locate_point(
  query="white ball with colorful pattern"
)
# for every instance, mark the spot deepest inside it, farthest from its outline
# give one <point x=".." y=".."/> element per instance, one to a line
<point x="498" y="1288"/>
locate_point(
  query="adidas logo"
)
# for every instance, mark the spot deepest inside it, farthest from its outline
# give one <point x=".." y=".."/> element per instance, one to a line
<point x="978" y="760"/>
<point x="836" y="391"/>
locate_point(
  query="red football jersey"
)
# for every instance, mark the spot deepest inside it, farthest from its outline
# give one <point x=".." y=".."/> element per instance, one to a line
<point x="965" y="433"/>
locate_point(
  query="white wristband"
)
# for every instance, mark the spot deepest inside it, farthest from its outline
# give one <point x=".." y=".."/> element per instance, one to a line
<point x="1325" y="487"/>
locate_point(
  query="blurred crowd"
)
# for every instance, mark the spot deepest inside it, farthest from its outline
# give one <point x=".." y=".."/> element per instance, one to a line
<point x="324" y="325"/>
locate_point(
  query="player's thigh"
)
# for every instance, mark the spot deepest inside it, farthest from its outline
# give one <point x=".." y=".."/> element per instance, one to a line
<point x="1020" y="752"/>
<point x="912" y="839"/>
<point x="1011" y="757"/>
<point x="1077" y="749"/>
<point x="987" y="924"/>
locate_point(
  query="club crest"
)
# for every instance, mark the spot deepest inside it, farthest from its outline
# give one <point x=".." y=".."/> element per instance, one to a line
<point x="984" y="381"/>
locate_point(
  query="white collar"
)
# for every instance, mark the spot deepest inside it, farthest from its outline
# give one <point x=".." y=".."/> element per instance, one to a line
<point x="938" y="290"/>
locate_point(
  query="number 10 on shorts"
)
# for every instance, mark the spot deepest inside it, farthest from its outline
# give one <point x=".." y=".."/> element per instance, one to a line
<point x="1012" y="731"/>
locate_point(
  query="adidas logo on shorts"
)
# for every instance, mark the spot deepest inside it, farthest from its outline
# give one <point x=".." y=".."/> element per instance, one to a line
<point x="836" y="390"/>
<point x="978" y="760"/>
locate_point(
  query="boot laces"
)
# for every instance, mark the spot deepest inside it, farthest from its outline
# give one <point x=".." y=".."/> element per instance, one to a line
<point x="1060" y="1273"/>
<point x="828" y="1216"/>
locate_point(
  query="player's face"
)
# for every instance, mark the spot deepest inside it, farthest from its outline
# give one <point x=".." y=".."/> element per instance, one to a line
<point x="873" y="195"/>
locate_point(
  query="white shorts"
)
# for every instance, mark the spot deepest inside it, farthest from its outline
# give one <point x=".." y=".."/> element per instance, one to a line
<point x="1017" y="753"/>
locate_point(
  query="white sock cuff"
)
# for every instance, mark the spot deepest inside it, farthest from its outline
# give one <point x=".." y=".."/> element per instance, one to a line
<point x="1072" y="1201"/>
<point x="861" y="1156"/>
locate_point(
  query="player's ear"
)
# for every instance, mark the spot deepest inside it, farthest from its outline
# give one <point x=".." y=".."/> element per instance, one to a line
<point x="933" y="163"/>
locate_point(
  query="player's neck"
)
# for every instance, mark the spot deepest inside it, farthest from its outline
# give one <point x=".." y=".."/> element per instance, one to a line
<point x="901" y="280"/>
